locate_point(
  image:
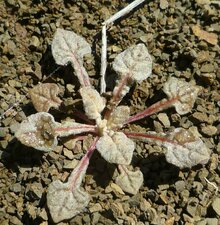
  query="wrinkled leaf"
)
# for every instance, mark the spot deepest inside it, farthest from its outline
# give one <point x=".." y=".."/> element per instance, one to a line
<point x="118" y="117"/>
<point x="129" y="181"/>
<point x="70" y="47"/>
<point x="116" y="149"/>
<point x="188" y="151"/>
<point x="38" y="131"/>
<point x="64" y="203"/>
<point x="135" y="61"/>
<point x="67" y="44"/>
<point x="65" y="200"/>
<point x="44" y="96"/>
<point x="92" y="101"/>
<point x="184" y="91"/>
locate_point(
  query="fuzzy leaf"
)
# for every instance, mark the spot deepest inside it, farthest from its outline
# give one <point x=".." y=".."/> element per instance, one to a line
<point x="135" y="61"/>
<point x="92" y="101"/>
<point x="118" y="117"/>
<point x="189" y="150"/>
<point x="70" y="47"/>
<point x="116" y="149"/>
<point x="186" y="92"/>
<point x="44" y="96"/>
<point x="65" y="200"/>
<point x="64" y="203"/>
<point x="38" y="131"/>
<point x="129" y="181"/>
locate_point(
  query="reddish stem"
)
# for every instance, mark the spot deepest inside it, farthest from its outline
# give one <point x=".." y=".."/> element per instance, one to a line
<point x="83" y="164"/>
<point x="83" y="77"/>
<point x="89" y="128"/>
<point x="117" y="95"/>
<point x="152" y="109"/>
<point x="149" y="136"/>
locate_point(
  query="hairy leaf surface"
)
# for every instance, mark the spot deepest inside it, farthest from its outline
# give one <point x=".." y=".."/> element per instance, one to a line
<point x="135" y="61"/>
<point x="129" y="181"/>
<point x="38" y="131"/>
<point x="116" y="149"/>
<point x="44" y="96"/>
<point x="188" y="151"/>
<point x="118" y="117"/>
<point x="92" y="101"/>
<point x="67" y="46"/>
<point x="185" y="91"/>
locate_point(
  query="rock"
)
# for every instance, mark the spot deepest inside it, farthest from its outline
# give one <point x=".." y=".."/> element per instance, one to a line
<point x="170" y="221"/>
<point x="95" y="217"/>
<point x="201" y="222"/>
<point x="163" y="198"/>
<point x="164" y="119"/>
<point x="34" y="42"/>
<point x="53" y="156"/>
<point x="117" y="210"/>
<point x="16" y="187"/>
<point x="70" y="164"/>
<point x="116" y="188"/>
<point x="68" y="153"/>
<point x="32" y="210"/>
<point x="216" y="205"/>
<point x="12" y="3"/>
<point x="95" y="208"/>
<point x="209" y="130"/>
<point x="43" y="214"/>
<point x="144" y="205"/>
<point x="15" y="221"/>
<point x="192" y="206"/>
<point x="207" y="68"/>
<point x="70" y="144"/>
<point x="3" y="144"/>
<point x="3" y="131"/>
<point x="70" y="88"/>
<point x="164" y="4"/>
<point x="14" y="127"/>
<point x="203" y="2"/>
<point x="212" y="221"/>
<point x="34" y="191"/>
<point x="86" y="219"/>
<point x="201" y="117"/>
<point x="180" y="186"/>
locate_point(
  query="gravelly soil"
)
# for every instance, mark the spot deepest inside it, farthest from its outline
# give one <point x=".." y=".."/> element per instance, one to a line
<point x="168" y="195"/>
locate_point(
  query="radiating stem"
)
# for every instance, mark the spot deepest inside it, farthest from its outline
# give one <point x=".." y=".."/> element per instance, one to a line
<point x="149" y="136"/>
<point x="118" y="93"/>
<point x="66" y="129"/>
<point x="161" y="105"/>
<point x="79" y="171"/>
<point x="80" y="71"/>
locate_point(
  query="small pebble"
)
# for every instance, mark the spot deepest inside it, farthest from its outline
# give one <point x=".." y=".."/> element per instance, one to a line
<point x="209" y="130"/>
<point x="164" y="119"/>
<point x="216" y="205"/>
<point x="34" y="42"/>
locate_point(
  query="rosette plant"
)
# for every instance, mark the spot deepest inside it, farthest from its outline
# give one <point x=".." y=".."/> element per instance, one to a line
<point x="105" y="121"/>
